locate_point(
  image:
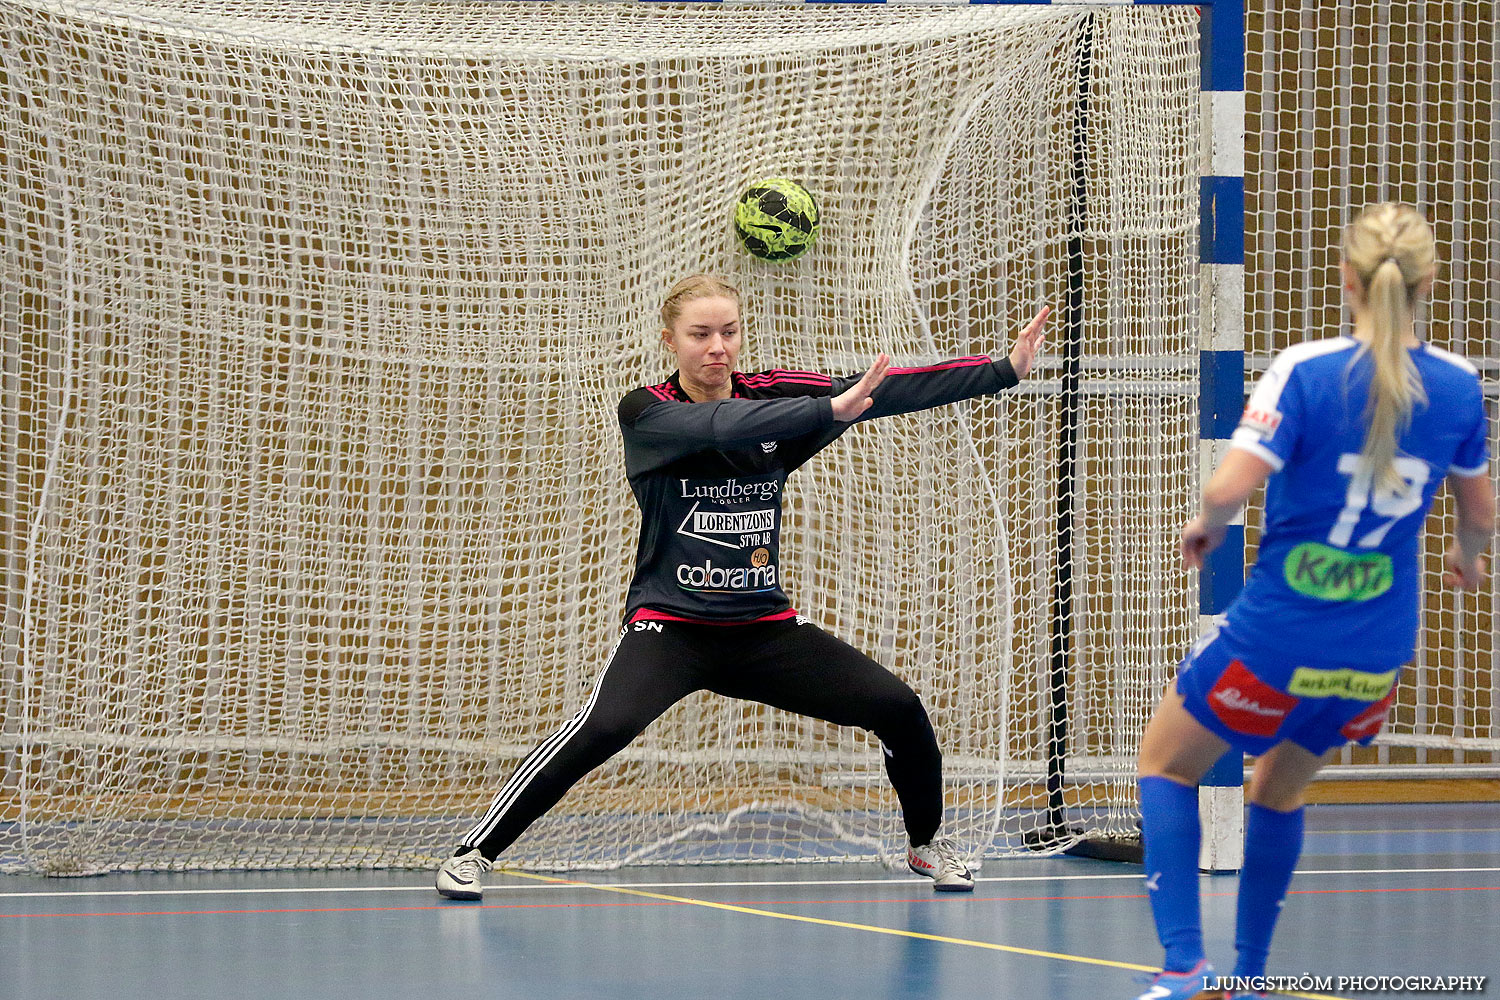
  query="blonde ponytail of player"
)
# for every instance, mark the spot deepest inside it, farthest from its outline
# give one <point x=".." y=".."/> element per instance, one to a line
<point x="1390" y="249"/>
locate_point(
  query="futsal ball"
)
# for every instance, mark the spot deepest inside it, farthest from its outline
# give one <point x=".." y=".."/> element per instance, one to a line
<point x="776" y="219"/>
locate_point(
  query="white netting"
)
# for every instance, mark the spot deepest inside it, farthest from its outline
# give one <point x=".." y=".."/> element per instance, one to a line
<point x="1355" y="103"/>
<point x="315" y="318"/>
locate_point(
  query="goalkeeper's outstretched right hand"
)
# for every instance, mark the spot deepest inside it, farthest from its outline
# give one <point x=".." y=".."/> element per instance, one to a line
<point x="855" y="400"/>
<point x="1029" y="343"/>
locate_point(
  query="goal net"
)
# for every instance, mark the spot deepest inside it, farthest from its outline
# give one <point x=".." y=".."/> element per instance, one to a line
<point x="315" y="318"/>
<point x="1357" y="103"/>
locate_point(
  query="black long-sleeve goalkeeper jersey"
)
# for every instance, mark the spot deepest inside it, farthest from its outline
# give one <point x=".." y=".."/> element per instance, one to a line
<point x="709" y="478"/>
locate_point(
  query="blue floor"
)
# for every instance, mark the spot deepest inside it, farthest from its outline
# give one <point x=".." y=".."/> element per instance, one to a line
<point x="1381" y="891"/>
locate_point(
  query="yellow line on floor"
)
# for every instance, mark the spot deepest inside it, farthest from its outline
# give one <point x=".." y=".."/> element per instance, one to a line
<point x="872" y="928"/>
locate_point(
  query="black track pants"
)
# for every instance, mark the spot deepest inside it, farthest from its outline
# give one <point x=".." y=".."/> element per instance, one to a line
<point x="792" y="665"/>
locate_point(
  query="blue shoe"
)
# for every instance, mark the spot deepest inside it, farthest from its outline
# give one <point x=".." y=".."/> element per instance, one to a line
<point x="1190" y="985"/>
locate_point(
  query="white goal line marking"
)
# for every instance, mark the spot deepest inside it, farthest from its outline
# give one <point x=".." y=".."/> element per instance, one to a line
<point x="894" y="881"/>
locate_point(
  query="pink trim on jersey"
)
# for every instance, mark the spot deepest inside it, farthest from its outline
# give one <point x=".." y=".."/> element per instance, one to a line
<point x="955" y="363"/>
<point x="648" y="615"/>
<point x="775" y="375"/>
<point x="663" y="391"/>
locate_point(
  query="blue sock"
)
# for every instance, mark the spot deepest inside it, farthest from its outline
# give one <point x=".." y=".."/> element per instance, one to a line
<point x="1273" y="843"/>
<point x="1169" y="826"/>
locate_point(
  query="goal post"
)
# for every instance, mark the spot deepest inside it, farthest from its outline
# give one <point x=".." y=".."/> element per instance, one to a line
<point x="315" y="320"/>
<point x="1222" y="252"/>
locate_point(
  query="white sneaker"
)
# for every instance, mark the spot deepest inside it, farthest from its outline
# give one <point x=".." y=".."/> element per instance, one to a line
<point x="459" y="878"/>
<point x="940" y="862"/>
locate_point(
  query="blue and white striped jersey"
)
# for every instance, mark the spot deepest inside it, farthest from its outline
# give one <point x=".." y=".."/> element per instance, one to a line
<point x="1336" y="578"/>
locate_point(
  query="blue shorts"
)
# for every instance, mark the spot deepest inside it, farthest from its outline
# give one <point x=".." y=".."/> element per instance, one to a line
<point x="1253" y="707"/>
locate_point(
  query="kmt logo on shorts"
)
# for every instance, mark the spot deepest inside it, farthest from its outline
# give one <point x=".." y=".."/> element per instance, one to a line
<point x="1248" y="705"/>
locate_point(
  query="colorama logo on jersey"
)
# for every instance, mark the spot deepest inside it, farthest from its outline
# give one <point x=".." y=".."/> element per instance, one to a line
<point x="1248" y="705"/>
<point x="727" y="578"/>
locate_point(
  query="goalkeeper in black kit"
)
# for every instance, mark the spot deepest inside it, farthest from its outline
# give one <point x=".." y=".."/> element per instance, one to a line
<point x="707" y="453"/>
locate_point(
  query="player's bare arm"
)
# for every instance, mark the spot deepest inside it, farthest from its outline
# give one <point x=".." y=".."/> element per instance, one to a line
<point x="1475" y="505"/>
<point x="1239" y="475"/>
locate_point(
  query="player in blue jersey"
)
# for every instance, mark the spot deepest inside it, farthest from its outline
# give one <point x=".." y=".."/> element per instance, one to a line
<point x="1355" y="434"/>
<point x="707" y="453"/>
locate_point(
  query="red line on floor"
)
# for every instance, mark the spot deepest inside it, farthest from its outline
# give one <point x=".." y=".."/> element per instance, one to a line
<point x="664" y="903"/>
<point x="346" y="909"/>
